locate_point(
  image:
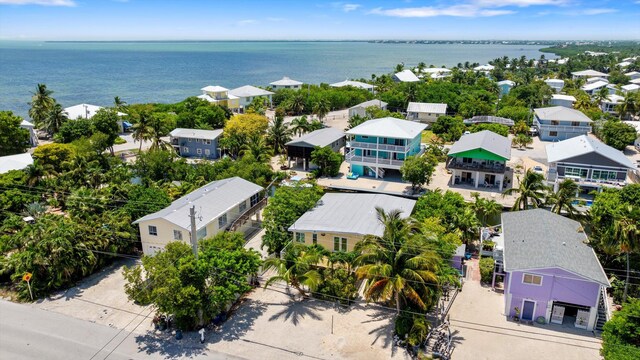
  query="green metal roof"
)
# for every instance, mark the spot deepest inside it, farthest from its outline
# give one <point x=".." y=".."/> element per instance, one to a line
<point x="478" y="153"/>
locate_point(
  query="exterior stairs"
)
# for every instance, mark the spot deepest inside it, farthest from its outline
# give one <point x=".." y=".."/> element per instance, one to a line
<point x="603" y="310"/>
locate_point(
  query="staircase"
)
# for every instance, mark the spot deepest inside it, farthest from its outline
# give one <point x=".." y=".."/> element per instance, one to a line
<point x="379" y="173"/>
<point x="603" y="310"/>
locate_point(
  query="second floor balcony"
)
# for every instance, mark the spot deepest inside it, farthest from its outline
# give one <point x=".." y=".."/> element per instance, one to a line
<point x="561" y="126"/>
<point x="495" y="168"/>
<point x="376" y="146"/>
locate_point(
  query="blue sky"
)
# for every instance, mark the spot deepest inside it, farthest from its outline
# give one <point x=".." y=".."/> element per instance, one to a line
<point x="308" y="19"/>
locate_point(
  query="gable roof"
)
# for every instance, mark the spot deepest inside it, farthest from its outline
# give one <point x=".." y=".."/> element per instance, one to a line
<point x="211" y="201"/>
<point x="357" y="84"/>
<point x="389" y="127"/>
<point x="286" y="81"/>
<point x="488" y="119"/>
<point x="321" y="137"/>
<point x="582" y="145"/>
<point x="589" y="73"/>
<point x="366" y="104"/>
<point x="554" y="81"/>
<point x="594" y="85"/>
<point x="485" y="67"/>
<point x="540" y="239"/>
<point x="215" y="88"/>
<point x="351" y="213"/>
<point x="249" y="91"/>
<point x="485" y="140"/>
<point x="15" y="162"/>
<point x="418" y="107"/>
<point x="506" y="82"/>
<point x="196" y="133"/>
<point x="25" y="123"/>
<point x="406" y="76"/>
<point x="630" y="87"/>
<point x="561" y="113"/>
<point x="563" y="97"/>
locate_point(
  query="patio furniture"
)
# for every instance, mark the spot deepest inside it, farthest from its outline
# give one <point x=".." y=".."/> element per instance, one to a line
<point x="352" y="176"/>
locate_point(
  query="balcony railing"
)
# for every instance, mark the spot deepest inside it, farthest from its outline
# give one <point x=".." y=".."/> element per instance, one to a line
<point x="550" y="127"/>
<point x="370" y="160"/>
<point x="496" y="168"/>
<point x="374" y="146"/>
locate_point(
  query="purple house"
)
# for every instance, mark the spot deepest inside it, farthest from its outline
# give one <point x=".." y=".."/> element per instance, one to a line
<point x="550" y="272"/>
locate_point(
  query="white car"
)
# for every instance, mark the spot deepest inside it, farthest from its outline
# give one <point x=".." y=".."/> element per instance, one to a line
<point x="538" y="169"/>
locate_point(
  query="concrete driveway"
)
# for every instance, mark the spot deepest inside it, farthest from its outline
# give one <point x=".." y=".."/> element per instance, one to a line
<point x="481" y="331"/>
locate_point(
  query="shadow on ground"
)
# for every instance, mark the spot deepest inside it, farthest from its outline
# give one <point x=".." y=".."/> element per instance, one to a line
<point x="240" y="321"/>
<point x="166" y="345"/>
<point x="295" y="311"/>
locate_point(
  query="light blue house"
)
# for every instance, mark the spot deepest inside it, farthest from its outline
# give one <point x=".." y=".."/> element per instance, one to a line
<point x="505" y="86"/>
<point x="196" y="143"/>
<point x="380" y="145"/>
<point x="560" y="123"/>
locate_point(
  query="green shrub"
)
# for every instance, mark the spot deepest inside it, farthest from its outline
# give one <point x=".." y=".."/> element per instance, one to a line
<point x="337" y="285"/>
<point x="621" y="334"/>
<point x="486" y="269"/>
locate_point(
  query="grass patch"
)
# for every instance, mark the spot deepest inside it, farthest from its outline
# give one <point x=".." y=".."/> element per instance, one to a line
<point x="120" y="141"/>
<point x="428" y="136"/>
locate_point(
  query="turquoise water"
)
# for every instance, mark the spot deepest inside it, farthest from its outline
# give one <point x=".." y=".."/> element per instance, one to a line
<point x="95" y="72"/>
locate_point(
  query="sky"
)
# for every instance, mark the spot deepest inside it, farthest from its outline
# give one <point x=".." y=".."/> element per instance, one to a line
<point x="319" y="20"/>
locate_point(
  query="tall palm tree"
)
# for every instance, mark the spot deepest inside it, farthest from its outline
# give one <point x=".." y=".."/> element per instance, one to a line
<point x="629" y="105"/>
<point x="156" y="134"/>
<point x="278" y="134"/>
<point x="142" y="130"/>
<point x="322" y="108"/>
<point x="41" y="103"/>
<point x="257" y="147"/>
<point x="484" y="208"/>
<point x="300" y="125"/>
<point x="601" y="95"/>
<point x="119" y="104"/>
<point x="54" y="119"/>
<point x="297" y="103"/>
<point x="466" y="223"/>
<point x="531" y="190"/>
<point x="564" y="198"/>
<point x="297" y="268"/>
<point x="396" y="267"/>
<point x="627" y="237"/>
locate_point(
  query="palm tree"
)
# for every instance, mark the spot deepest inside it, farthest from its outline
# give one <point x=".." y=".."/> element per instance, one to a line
<point x="399" y="67"/>
<point x="300" y="125"/>
<point x="257" y="147"/>
<point x="156" y="134"/>
<point x="296" y="104"/>
<point x="41" y="103"/>
<point x="36" y="172"/>
<point x="142" y="130"/>
<point x="54" y="119"/>
<point x="484" y="208"/>
<point x="601" y="95"/>
<point x="564" y="198"/>
<point x="119" y="104"/>
<point x="531" y="190"/>
<point x="466" y="223"/>
<point x="397" y="268"/>
<point x="298" y="268"/>
<point x="627" y="237"/>
<point x="278" y="134"/>
<point x="322" y="108"/>
<point x="629" y="105"/>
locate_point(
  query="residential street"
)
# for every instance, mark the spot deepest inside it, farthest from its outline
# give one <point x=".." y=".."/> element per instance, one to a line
<point x="30" y="333"/>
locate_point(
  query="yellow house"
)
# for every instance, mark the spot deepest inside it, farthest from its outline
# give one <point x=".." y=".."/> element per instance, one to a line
<point x="340" y="220"/>
<point x="220" y="96"/>
<point x="217" y="204"/>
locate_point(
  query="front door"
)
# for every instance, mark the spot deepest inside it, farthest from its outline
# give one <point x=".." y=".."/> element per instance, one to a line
<point x="527" y="310"/>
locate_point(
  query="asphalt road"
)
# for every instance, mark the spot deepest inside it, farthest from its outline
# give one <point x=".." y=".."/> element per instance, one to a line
<point x="30" y="333"/>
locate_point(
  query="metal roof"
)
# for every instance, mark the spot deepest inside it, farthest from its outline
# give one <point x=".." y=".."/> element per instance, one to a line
<point x="216" y="88"/>
<point x="561" y="113"/>
<point x="211" y="201"/>
<point x="389" y="127"/>
<point x="563" y="97"/>
<point x="286" y="81"/>
<point x="630" y="87"/>
<point x="196" y="133"/>
<point x="357" y="84"/>
<point x="594" y="85"/>
<point x="589" y="73"/>
<point x="321" y="137"/>
<point x="249" y="91"/>
<point x="15" y="162"/>
<point x="539" y="239"/>
<point x="406" y="76"/>
<point x="479" y="119"/>
<point x="418" y="107"/>
<point x="507" y="82"/>
<point x="486" y="140"/>
<point x="351" y="213"/>
<point x="581" y="145"/>
<point x="485" y="67"/>
<point x="554" y="81"/>
<point x="366" y="104"/>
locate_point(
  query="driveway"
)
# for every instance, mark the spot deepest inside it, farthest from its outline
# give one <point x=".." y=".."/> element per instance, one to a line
<point x="481" y="331"/>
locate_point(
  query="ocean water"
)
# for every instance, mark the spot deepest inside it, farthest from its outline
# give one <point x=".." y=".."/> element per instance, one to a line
<point x="95" y="72"/>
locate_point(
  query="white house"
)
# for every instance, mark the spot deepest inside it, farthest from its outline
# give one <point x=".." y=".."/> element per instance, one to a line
<point x="15" y="162"/>
<point x="633" y="75"/>
<point x="361" y="109"/>
<point x="555" y="84"/>
<point x="286" y="83"/>
<point x="217" y="204"/>
<point x="436" y="73"/>
<point x="635" y="81"/>
<point x="247" y="93"/>
<point x="629" y="88"/>
<point x="33" y="139"/>
<point x="87" y="111"/>
<point x="609" y="104"/>
<point x="356" y="84"/>
<point x="593" y="87"/>
<point x="405" y="76"/>
<point x="484" y="68"/>
<point x="425" y="112"/>
<point x="585" y="74"/>
<point x="623" y="64"/>
<point x="562" y="100"/>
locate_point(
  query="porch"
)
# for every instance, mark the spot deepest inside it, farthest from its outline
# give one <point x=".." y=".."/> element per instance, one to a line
<point x="478" y="179"/>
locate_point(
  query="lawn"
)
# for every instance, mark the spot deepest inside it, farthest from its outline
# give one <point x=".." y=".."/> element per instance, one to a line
<point x="428" y="136"/>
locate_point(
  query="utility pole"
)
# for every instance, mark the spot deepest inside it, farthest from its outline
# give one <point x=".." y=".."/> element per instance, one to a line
<point x="194" y="236"/>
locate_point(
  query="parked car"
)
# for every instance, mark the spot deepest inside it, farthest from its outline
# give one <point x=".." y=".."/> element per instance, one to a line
<point x="538" y="169"/>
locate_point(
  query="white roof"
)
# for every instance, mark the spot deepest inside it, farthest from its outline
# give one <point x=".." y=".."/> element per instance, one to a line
<point x="212" y="88"/>
<point x="321" y="137"/>
<point x="635" y="124"/>
<point x="15" y="162"/>
<point x="561" y="113"/>
<point x="196" y="133"/>
<point x="594" y="86"/>
<point x="594" y="79"/>
<point x="630" y="87"/>
<point x="581" y="145"/>
<point x="486" y="67"/>
<point x="26" y="123"/>
<point x="416" y="107"/>
<point x="211" y="201"/>
<point x="210" y="99"/>
<point x="286" y="81"/>
<point x="249" y="91"/>
<point x="435" y="70"/>
<point x="614" y="99"/>
<point x="357" y="84"/>
<point x="631" y="73"/>
<point x="554" y="81"/>
<point x="589" y="73"/>
<point x="84" y="111"/>
<point x="406" y="76"/>
<point x="389" y="127"/>
<point x="563" y="97"/>
<point x="506" y="82"/>
<point x="635" y="81"/>
<point x="351" y="213"/>
<point x="624" y="64"/>
<point x="366" y="104"/>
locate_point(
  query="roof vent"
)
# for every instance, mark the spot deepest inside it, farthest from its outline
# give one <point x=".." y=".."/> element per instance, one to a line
<point x="564" y="243"/>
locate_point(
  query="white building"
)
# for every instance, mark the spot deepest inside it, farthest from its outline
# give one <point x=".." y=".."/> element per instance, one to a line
<point x="484" y="68"/>
<point x="629" y="88"/>
<point x="247" y="93"/>
<point x="425" y="112"/>
<point x="286" y="83"/>
<point x="33" y="139"/>
<point x="405" y="76"/>
<point x="87" y="111"/>
<point x="562" y="100"/>
<point x="633" y="75"/>
<point x="15" y="162"/>
<point x="361" y="109"/>
<point x="585" y="74"/>
<point x="436" y="73"/>
<point x="555" y="84"/>
<point x="593" y="87"/>
<point x="356" y="84"/>
<point x="609" y="105"/>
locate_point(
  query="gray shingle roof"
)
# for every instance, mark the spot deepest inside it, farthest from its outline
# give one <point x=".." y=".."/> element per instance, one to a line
<point x="540" y="239"/>
<point x="196" y="133"/>
<point x="211" y="201"/>
<point x="486" y="140"/>
<point x="321" y="137"/>
<point x="351" y="213"/>
<point x="561" y="113"/>
<point x="581" y="145"/>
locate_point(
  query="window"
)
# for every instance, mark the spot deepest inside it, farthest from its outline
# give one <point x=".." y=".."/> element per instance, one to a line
<point x="208" y="142"/>
<point x="300" y="237"/>
<point x="153" y="230"/>
<point x="190" y="139"/>
<point x="315" y="238"/>
<point x="185" y="150"/>
<point x="222" y="220"/>
<point x="254" y="199"/>
<point x="575" y="172"/>
<point x="197" y="140"/>
<point x="555" y="122"/>
<point x="243" y="206"/>
<point x="553" y="133"/>
<point x="177" y="235"/>
<point x="202" y="233"/>
<point x="575" y="123"/>
<point x="199" y="151"/>
<point x="466" y="160"/>
<point x="207" y="152"/>
<point x="364" y="137"/>
<point x="339" y="244"/>
<point x="531" y="279"/>
<point x="604" y="175"/>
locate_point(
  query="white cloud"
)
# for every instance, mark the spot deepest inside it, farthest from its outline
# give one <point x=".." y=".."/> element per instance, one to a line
<point x="246" y="22"/>
<point x="350" y="7"/>
<point x="39" y="2"/>
<point x="429" y="11"/>
<point x="597" y="11"/>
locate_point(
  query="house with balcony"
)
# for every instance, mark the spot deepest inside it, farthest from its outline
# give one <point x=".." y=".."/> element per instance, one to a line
<point x="224" y="205"/>
<point x="340" y="220"/>
<point x="300" y="149"/>
<point x="380" y="145"/>
<point x="286" y="83"/>
<point x="361" y="109"/>
<point x="593" y="87"/>
<point x="560" y="123"/>
<point x="246" y="94"/>
<point x="588" y="161"/>
<point x="556" y="84"/>
<point x="562" y="100"/>
<point x="610" y="104"/>
<point x="425" y="112"/>
<point x="196" y="143"/>
<point x="220" y="96"/>
<point x="550" y="273"/>
<point x="479" y="160"/>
